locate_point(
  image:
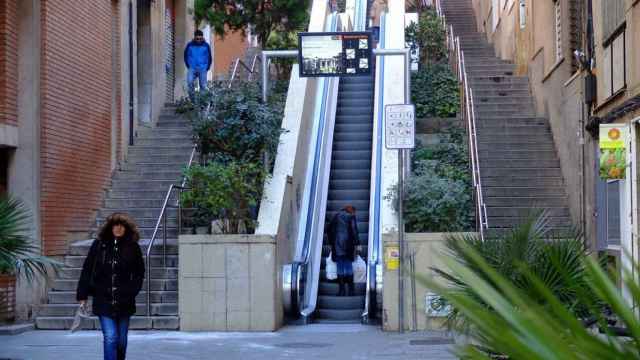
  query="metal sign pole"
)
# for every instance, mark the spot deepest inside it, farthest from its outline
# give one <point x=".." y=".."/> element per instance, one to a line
<point x="401" y="238"/>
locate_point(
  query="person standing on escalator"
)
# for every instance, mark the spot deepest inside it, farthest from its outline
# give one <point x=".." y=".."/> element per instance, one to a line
<point x="343" y="238"/>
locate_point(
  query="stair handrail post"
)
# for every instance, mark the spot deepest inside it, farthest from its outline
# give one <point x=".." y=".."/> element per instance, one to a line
<point x="468" y="112"/>
<point x="162" y="217"/>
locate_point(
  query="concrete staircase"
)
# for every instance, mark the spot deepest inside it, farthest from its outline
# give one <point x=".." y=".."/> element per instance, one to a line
<point x="519" y="167"/>
<point x="138" y="188"/>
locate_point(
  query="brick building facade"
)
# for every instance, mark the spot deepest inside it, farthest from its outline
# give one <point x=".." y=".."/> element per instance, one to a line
<point x="76" y="97"/>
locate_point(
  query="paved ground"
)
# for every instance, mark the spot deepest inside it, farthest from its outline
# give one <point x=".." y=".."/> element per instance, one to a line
<point x="296" y="342"/>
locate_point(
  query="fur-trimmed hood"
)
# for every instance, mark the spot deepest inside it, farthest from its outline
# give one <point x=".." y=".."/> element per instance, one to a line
<point x="131" y="229"/>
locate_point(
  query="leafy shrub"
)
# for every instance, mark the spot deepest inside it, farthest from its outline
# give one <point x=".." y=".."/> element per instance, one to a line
<point x="429" y="35"/>
<point x="433" y="202"/>
<point x="226" y="191"/>
<point x="434" y="91"/>
<point x="234" y="125"/>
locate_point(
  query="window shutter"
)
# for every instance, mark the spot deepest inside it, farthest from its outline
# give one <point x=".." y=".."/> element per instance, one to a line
<point x="613" y="213"/>
<point x="612" y="17"/>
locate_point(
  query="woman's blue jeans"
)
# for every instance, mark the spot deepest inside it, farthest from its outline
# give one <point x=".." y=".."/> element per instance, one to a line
<point x="114" y="336"/>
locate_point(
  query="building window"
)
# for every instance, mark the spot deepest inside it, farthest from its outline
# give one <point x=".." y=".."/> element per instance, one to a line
<point x="614" y="65"/>
<point x="558" y="27"/>
<point x="612" y="18"/>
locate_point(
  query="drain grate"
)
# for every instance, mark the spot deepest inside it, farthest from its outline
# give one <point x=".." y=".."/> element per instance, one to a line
<point x="434" y="341"/>
<point x="302" y="345"/>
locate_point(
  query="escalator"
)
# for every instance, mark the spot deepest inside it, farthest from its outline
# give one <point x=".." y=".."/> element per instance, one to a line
<point x="349" y="184"/>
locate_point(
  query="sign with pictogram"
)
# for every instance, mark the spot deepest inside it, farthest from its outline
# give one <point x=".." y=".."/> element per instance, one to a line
<point x="400" y="126"/>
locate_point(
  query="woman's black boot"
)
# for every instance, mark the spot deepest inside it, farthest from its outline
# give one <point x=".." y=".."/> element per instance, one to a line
<point x="341" y="281"/>
<point x="349" y="280"/>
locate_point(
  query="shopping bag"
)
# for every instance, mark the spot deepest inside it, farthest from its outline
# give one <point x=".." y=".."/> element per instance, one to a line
<point x="359" y="270"/>
<point x="81" y="312"/>
<point x="331" y="268"/>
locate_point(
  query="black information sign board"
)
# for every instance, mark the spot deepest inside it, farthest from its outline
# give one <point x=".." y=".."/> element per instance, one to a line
<point x="334" y="54"/>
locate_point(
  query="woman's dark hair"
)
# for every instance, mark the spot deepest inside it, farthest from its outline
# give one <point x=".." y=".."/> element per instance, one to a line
<point x="198" y="33"/>
<point x="131" y="229"/>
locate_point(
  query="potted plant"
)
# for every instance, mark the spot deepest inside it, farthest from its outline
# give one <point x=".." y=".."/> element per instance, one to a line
<point x="18" y="255"/>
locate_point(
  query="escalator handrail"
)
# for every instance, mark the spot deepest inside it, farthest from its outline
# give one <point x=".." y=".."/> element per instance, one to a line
<point x="373" y="248"/>
<point x="305" y="230"/>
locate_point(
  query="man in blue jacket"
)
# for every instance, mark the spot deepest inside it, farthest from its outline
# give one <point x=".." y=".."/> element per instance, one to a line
<point x="197" y="58"/>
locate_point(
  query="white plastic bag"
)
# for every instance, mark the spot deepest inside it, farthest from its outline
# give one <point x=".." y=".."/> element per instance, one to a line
<point x="359" y="270"/>
<point x="81" y="313"/>
<point x="331" y="268"/>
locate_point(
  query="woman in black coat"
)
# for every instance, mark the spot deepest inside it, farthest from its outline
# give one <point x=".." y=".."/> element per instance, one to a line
<point x="343" y="237"/>
<point x="112" y="274"/>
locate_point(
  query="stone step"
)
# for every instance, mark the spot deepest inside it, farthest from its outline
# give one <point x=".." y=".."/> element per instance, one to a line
<point x="482" y="113"/>
<point x="513" y="144"/>
<point x="133" y="203"/>
<point x="481" y="80"/>
<point x="184" y="140"/>
<point x="484" y="67"/>
<point x="165" y="133"/>
<point x="502" y="222"/>
<point x="487" y="107"/>
<point x="69" y="297"/>
<point x="63" y="310"/>
<point x="92" y="323"/>
<point x="146" y="185"/>
<point x="538" y="132"/>
<point x="69" y="273"/>
<point x="164" y="149"/>
<point x="488" y="181"/>
<point x="485" y="87"/>
<point x="138" y="213"/>
<point x="523" y="212"/>
<point x="76" y="261"/>
<point x="485" y="99"/>
<point x="82" y="247"/>
<point x="488" y="73"/>
<point x="519" y="154"/>
<point x="537" y="201"/>
<point x="156" y="284"/>
<point x="506" y="190"/>
<point x="507" y="122"/>
<point x="141" y="193"/>
<point x="134" y="159"/>
<point x="138" y="174"/>
<point x="496" y="92"/>
<point x="154" y="166"/>
<point x="527" y="172"/>
<point x="489" y="164"/>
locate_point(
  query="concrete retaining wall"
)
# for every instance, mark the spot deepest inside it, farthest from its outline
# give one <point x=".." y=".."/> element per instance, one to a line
<point x="228" y="283"/>
<point x="428" y="248"/>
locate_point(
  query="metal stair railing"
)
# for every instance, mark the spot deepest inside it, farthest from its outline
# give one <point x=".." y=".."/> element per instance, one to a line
<point x="458" y="65"/>
<point x="238" y="64"/>
<point x="162" y="220"/>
